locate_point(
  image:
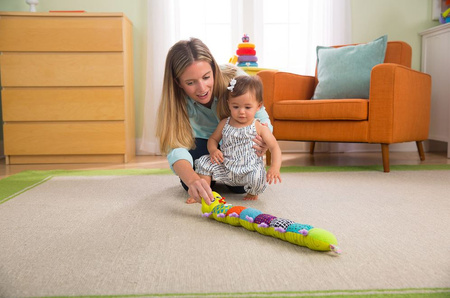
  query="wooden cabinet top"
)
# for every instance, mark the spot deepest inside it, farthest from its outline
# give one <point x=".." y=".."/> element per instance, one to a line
<point x="59" y="32"/>
<point x="61" y="14"/>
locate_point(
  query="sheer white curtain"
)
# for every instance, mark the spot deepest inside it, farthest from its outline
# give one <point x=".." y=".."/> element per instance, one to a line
<point x="288" y="31"/>
<point x="285" y="32"/>
<point x="160" y="37"/>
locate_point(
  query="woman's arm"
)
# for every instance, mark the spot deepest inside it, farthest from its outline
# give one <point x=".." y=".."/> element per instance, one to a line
<point x="264" y="118"/>
<point x="198" y="187"/>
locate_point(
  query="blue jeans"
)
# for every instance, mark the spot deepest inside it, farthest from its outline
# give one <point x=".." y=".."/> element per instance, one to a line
<point x="200" y="150"/>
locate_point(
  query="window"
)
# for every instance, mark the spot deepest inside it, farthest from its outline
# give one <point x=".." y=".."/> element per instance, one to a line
<point x="212" y="21"/>
<point x="285" y="32"/>
<point x="290" y="31"/>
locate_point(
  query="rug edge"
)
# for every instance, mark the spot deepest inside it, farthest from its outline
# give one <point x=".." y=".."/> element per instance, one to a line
<point x="423" y="292"/>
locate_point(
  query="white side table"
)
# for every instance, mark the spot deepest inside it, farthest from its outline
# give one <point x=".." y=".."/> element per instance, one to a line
<point x="436" y="62"/>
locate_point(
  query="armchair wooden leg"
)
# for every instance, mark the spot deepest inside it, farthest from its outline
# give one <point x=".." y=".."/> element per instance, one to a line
<point x="385" y="155"/>
<point x="312" y="145"/>
<point x="420" y="149"/>
<point x="268" y="158"/>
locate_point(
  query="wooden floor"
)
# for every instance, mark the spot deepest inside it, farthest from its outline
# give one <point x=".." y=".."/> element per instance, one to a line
<point x="289" y="159"/>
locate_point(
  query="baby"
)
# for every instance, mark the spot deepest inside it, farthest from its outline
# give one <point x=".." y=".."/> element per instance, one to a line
<point x="236" y="162"/>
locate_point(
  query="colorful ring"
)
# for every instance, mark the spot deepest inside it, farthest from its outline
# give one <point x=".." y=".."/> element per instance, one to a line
<point x="247" y="59"/>
<point x="247" y="64"/>
<point x="245" y="51"/>
<point x="246" y="45"/>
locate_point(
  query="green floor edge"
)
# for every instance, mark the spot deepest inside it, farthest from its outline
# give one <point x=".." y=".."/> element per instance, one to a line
<point x="16" y="184"/>
<point x="407" y="292"/>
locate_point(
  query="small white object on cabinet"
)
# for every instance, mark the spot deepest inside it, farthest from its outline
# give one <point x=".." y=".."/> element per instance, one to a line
<point x="32" y="4"/>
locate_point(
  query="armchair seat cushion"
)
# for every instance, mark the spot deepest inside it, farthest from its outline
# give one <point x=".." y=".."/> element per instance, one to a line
<point x="326" y="109"/>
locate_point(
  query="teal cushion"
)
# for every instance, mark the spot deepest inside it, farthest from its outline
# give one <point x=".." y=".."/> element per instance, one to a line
<point x="345" y="72"/>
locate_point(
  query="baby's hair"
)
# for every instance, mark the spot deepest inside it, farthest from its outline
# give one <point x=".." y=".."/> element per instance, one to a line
<point x="246" y="84"/>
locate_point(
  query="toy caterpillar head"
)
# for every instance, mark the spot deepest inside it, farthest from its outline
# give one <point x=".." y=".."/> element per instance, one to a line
<point x="266" y="224"/>
<point x="207" y="209"/>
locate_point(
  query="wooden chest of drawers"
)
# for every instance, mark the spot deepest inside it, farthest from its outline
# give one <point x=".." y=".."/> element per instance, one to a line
<point x="67" y="87"/>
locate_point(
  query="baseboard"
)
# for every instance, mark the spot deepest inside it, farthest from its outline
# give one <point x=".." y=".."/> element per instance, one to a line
<point x="151" y="148"/>
<point x="147" y="148"/>
<point x="300" y="147"/>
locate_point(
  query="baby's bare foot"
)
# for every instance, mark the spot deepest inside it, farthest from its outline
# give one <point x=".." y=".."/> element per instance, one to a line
<point x="250" y="197"/>
<point x="191" y="201"/>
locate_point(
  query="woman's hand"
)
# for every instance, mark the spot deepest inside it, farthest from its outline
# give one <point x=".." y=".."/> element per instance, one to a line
<point x="260" y="146"/>
<point x="199" y="189"/>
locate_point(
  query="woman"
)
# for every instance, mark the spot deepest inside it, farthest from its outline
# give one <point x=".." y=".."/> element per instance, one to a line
<point x="193" y="101"/>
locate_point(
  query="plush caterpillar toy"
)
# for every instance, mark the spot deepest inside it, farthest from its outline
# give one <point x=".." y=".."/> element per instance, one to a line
<point x="285" y="229"/>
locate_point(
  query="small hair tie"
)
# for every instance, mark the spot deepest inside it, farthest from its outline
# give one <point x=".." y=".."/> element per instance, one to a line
<point x="232" y="84"/>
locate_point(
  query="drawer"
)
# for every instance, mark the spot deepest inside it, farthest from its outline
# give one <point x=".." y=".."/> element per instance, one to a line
<point x="61" y="69"/>
<point x="62" y="104"/>
<point x="81" y="158"/>
<point x="53" y="33"/>
<point x="53" y="138"/>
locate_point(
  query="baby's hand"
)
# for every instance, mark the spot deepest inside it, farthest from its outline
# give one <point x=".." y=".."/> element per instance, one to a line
<point x="273" y="175"/>
<point x="216" y="156"/>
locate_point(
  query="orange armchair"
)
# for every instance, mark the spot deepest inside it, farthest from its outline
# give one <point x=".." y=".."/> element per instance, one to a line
<point x="398" y="108"/>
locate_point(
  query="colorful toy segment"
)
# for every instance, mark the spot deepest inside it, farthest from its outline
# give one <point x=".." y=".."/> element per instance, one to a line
<point x="266" y="224"/>
<point x="246" y="54"/>
<point x="444" y="17"/>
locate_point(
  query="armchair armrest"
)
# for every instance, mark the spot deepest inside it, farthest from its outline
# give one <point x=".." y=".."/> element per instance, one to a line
<point x="399" y="104"/>
<point x="285" y="86"/>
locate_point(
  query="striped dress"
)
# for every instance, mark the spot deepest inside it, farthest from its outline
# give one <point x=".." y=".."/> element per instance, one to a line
<point x="241" y="165"/>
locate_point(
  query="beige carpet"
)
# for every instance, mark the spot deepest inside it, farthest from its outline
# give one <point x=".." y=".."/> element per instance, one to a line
<point x="134" y="235"/>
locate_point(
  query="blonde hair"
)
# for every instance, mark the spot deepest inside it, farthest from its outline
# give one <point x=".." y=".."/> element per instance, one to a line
<point x="173" y="127"/>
